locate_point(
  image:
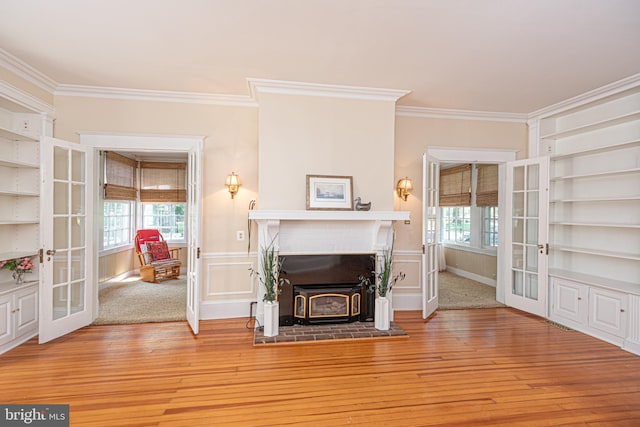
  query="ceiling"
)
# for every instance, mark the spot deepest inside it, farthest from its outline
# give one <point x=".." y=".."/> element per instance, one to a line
<point x="513" y="56"/>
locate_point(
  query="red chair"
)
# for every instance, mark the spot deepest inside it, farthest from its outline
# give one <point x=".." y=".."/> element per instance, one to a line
<point x="157" y="261"/>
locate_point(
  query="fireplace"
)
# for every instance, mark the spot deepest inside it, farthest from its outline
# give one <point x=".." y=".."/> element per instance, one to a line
<point x="326" y="288"/>
<point x="296" y="233"/>
<point x="326" y="305"/>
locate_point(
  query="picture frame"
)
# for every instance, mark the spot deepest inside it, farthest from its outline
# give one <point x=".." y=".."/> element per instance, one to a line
<point x="329" y="192"/>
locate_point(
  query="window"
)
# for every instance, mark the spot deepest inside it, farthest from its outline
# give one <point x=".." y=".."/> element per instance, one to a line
<point x="117" y="224"/>
<point x="490" y="226"/>
<point x="456" y="224"/>
<point x="469" y="205"/>
<point x="168" y="218"/>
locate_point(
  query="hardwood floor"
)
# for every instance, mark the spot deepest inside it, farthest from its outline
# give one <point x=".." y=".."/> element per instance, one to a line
<point x="461" y="367"/>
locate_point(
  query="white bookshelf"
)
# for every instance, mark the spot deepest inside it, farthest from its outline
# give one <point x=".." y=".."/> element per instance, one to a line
<point x="594" y="215"/>
<point x="19" y="186"/>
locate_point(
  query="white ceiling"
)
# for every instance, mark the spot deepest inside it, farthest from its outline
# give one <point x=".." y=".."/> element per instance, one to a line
<point x="513" y="56"/>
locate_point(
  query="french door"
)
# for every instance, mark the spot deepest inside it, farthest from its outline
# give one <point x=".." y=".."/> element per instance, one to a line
<point x="193" y="211"/>
<point x="526" y="234"/>
<point x="430" y="233"/>
<point x="67" y="251"/>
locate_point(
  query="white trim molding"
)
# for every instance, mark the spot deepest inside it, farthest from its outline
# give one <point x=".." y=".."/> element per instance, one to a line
<point x="257" y="86"/>
<point x="25" y="101"/>
<point x="26" y="71"/>
<point x="154" y="95"/>
<point x="442" y="113"/>
<point x="590" y="96"/>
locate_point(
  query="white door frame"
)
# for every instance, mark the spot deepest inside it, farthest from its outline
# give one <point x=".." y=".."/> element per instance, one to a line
<point x="482" y="155"/>
<point x="177" y="144"/>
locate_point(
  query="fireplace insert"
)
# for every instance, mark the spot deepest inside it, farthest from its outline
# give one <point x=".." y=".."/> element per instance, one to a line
<point x="326" y="288"/>
<point x="314" y="304"/>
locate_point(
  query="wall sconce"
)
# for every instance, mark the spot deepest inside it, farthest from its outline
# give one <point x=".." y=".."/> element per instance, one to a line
<point x="404" y="188"/>
<point x="233" y="183"/>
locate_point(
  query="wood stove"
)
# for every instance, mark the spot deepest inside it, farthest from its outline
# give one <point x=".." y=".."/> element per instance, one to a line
<point x="326" y="305"/>
<point x="326" y="288"/>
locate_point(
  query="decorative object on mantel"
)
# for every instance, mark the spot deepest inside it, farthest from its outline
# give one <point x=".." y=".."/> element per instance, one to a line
<point x="404" y="187"/>
<point x="360" y="206"/>
<point x="233" y="184"/>
<point x="269" y="276"/>
<point x="328" y="192"/>
<point x="385" y="281"/>
<point x="19" y="266"/>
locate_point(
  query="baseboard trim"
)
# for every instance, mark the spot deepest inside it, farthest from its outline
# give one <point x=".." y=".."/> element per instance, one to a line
<point x="405" y="302"/>
<point x="473" y="276"/>
<point x="225" y="309"/>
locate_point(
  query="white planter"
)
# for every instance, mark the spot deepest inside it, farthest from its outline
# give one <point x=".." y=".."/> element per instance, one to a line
<point x="271" y="318"/>
<point x="382" y="314"/>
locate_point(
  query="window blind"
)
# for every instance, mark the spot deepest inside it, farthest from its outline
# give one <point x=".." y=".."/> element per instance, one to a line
<point x="455" y="186"/>
<point x="163" y="182"/>
<point x="487" y="187"/>
<point x="119" y="177"/>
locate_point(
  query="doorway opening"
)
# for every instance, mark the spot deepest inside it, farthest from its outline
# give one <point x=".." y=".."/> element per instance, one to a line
<point x="432" y="222"/>
<point x="154" y="148"/>
<point x="469" y="226"/>
<point x="154" y="199"/>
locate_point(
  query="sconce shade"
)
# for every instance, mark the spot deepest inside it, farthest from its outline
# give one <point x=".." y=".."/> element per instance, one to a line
<point x="233" y="183"/>
<point x="404" y="188"/>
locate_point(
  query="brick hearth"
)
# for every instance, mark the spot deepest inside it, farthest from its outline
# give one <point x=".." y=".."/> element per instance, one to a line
<point x="339" y="331"/>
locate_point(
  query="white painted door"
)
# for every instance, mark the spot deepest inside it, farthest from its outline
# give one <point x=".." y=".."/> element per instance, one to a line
<point x="194" y="196"/>
<point x="430" y="233"/>
<point x="66" y="291"/>
<point x="526" y="230"/>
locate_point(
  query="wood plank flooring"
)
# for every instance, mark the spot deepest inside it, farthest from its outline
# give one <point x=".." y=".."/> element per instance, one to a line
<point x="461" y="367"/>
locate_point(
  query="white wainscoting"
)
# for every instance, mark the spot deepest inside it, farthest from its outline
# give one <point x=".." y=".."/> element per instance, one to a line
<point x="407" y="293"/>
<point x="228" y="288"/>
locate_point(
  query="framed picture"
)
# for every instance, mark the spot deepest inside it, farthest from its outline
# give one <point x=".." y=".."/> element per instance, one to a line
<point x="326" y="192"/>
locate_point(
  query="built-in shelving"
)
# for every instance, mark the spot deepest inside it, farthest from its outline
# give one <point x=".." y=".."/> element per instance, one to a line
<point x="596" y="150"/>
<point x="12" y="135"/>
<point x="635" y="115"/>
<point x="598" y="252"/>
<point x="594" y="191"/>
<point x="596" y="199"/>
<point x="593" y="280"/>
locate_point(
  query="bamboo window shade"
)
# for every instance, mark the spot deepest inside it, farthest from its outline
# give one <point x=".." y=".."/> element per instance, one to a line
<point x="163" y="182"/>
<point x="455" y="186"/>
<point x="487" y="187"/>
<point x="119" y="177"/>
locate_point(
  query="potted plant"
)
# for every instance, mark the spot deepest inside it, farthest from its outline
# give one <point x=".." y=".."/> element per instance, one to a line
<point x="385" y="281"/>
<point x="271" y="267"/>
<point x="19" y="267"/>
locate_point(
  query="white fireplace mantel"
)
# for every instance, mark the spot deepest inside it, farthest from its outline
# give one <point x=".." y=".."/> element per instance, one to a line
<point x="296" y="232"/>
<point x="328" y="215"/>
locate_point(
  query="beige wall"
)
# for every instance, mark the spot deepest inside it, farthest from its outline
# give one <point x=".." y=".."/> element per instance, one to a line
<point x="480" y="264"/>
<point x="300" y="135"/>
<point x="414" y="135"/>
<point x="230" y="145"/>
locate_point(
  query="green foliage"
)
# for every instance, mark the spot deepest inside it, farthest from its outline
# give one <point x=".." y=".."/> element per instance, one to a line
<point x="385" y="280"/>
<point x="270" y="275"/>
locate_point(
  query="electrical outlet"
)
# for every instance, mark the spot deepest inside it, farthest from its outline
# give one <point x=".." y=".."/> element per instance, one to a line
<point x="240" y="235"/>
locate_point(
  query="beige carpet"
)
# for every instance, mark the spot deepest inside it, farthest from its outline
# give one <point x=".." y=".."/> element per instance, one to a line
<point x="135" y="301"/>
<point x="458" y="292"/>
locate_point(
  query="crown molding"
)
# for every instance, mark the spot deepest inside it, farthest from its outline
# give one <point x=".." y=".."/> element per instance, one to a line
<point x="441" y="113"/>
<point x="154" y="95"/>
<point x="591" y="96"/>
<point x="257" y="86"/>
<point x="25" y="101"/>
<point x="26" y="71"/>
